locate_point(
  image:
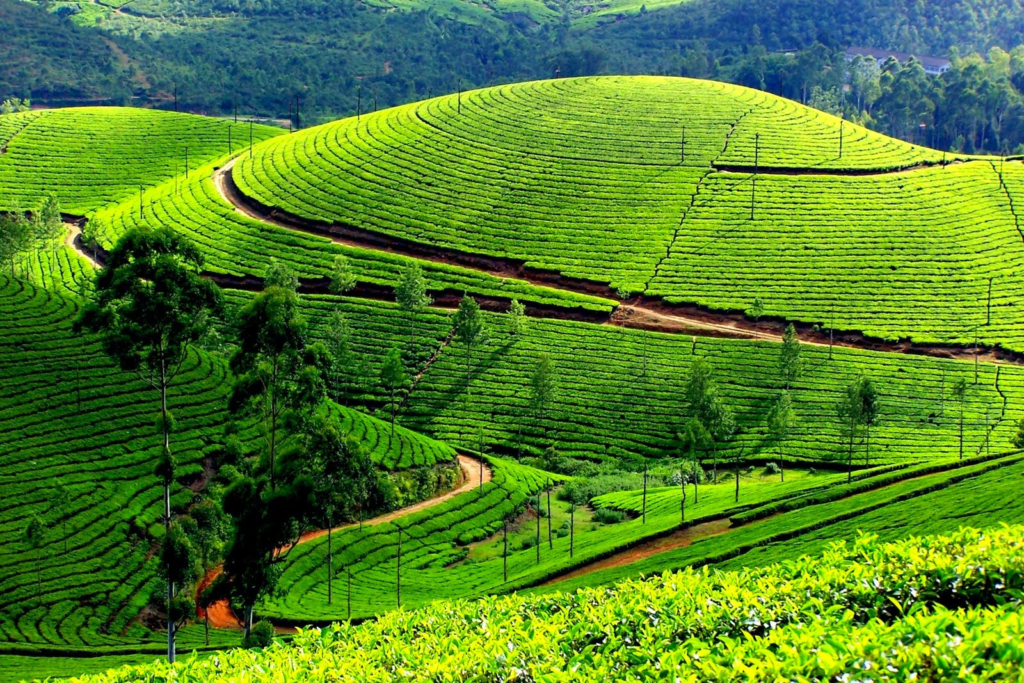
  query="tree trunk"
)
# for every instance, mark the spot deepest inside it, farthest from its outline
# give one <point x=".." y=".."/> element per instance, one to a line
<point x="572" y="528"/>
<point x="961" y="430"/>
<point x="644" y="507"/>
<point x="551" y="543"/>
<point x="273" y="422"/>
<point x="504" y="554"/>
<point x="538" y="527"/>
<point x="849" y="467"/>
<point x="167" y="506"/>
<point x="330" y="562"/>
<point x="782" y="463"/>
<point x="737" y="496"/>
<point x="398" y="581"/>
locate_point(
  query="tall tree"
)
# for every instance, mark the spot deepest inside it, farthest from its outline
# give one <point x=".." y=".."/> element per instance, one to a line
<point x="280" y="275"/>
<point x="343" y="370"/>
<point x="849" y="410"/>
<point x="394" y="380"/>
<point x="869" y="411"/>
<point x="780" y="421"/>
<point x="47" y="224"/>
<point x="543" y="389"/>
<point x="15" y="237"/>
<point x="706" y="405"/>
<point x="150" y="306"/>
<point x="789" y="356"/>
<point x="693" y="439"/>
<point x="411" y="295"/>
<point x="343" y="280"/>
<point x="516" y="318"/>
<point x="468" y="324"/>
<point x="278" y="377"/>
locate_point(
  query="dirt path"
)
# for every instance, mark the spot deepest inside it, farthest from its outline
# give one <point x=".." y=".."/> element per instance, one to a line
<point x="680" y="538"/>
<point x="73" y="240"/>
<point x="641" y="312"/>
<point x="222" y="616"/>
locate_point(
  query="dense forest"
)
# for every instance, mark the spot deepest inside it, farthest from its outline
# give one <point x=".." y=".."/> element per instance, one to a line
<point x="336" y="57"/>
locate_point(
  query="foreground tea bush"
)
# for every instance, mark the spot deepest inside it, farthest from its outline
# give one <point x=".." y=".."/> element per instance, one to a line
<point x="938" y="607"/>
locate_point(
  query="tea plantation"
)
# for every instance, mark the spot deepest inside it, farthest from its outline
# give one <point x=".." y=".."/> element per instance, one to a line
<point x="654" y="228"/>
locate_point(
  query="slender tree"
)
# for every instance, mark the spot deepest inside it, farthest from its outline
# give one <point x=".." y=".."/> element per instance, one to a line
<point x="411" y="295"/>
<point x="15" y="237"/>
<point x="280" y="275"/>
<point x="849" y="409"/>
<point x="47" y="223"/>
<point x="756" y="310"/>
<point x="343" y="280"/>
<point x="516" y="318"/>
<point x="706" y="406"/>
<point x="542" y="392"/>
<point x="1018" y="438"/>
<point x="780" y="421"/>
<point x="789" y="356"/>
<point x="394" y="380"/>
<point x="270" y="363"/>
<point x="693" y="439"/>
<point x="344" y="365"/>
<point x="468" y="325"/>
<point x="151" y="305"/>
<point x="869" y="414"/>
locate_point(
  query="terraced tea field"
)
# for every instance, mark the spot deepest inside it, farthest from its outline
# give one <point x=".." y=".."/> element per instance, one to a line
<point x="94" y="156"/>
<point x="645" y="222"/>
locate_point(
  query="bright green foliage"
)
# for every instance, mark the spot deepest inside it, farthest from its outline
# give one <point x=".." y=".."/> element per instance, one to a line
<point x="56" y="387"/>
<point x="612" y="411"/>
<point x="94" y="156"/>
<point x="237" y="245"/>
<point x="889" y="604"/>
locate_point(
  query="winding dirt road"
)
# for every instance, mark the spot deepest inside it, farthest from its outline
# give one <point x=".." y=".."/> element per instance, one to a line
<point x="473" y="471"/>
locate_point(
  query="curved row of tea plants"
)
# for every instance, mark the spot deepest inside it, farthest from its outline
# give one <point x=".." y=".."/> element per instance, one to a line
<point x="933" y="254"/>
<point x="69" y="418"/>
<point x="235" y="244"/>
<point x="924" y="606"/>
<point x="836" y="519"/>
<point x="94" y="156"/>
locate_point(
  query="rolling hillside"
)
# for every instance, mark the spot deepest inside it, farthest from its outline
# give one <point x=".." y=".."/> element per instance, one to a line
<point x="646" y="223"/>
<point x="684" y="192"/>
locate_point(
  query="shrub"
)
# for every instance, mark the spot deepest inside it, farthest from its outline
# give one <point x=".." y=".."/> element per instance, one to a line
<point x="771" y="468"/>
<point x="260" y="637"/>
<point x="608" y="516"/>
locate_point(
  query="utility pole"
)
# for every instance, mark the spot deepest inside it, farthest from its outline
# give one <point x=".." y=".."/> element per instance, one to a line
<point x="291" y="117"/>
<point x="375" y="100"/>
<point x="234" y="107"/>
<point x="398" y="582"/>
<point x="975" y="354"/>
<point x="753" y="192"/>
<point x="753" y="180"/>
